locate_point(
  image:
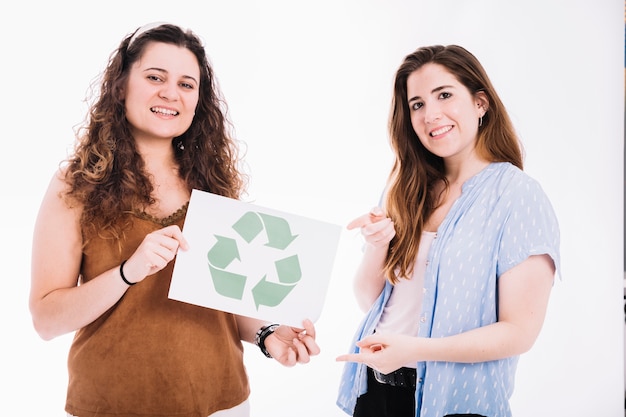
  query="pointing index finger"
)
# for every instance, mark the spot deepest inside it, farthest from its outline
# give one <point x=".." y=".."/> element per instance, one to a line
<point x="359" y="222"/>
<point x="376" y="214"/>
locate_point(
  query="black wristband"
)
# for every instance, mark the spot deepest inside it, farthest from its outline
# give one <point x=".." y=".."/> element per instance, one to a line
<point x="261" y="335"/>
<point x="122" y="274"/>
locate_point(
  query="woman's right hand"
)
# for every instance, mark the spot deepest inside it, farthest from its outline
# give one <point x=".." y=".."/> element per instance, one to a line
<point x="377" y="229"/>
<point x="155" y="251"/>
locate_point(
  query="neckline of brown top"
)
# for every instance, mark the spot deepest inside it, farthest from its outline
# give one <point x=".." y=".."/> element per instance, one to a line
<point x="164" y="221"/>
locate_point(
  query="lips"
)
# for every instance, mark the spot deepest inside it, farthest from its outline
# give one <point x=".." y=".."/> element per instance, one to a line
<point x="164" y="111"/>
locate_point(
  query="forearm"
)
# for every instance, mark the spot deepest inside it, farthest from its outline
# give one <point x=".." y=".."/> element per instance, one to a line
<point x="369" y="279"/>
<point x="65" y="310"/>
<point x="496" y="341"/>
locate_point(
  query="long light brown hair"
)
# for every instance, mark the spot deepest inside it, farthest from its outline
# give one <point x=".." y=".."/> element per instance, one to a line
<point x="410" y="197"/>
<point x="106" y="174"/>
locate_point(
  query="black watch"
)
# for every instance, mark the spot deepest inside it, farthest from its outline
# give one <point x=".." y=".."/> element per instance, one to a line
<point x="262" y="334"/>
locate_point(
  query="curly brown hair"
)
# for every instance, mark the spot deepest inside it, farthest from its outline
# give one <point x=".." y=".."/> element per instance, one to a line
<point x="411" y="198"/>
<point x="106" y="174"/>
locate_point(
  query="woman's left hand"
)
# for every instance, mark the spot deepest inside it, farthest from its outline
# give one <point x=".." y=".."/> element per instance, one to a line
<point x="385" y="353"/>
<point x="292" y="345"/>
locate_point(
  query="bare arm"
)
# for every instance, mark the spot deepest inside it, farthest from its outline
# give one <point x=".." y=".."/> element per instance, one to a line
<point x="369" y="280"/>
<point x="58" y="305"/>
<point x="523" y="299"/>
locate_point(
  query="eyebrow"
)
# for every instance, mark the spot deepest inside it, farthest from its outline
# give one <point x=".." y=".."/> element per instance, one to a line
<point x="165" y="71"/>
<point x="434" y="90"/>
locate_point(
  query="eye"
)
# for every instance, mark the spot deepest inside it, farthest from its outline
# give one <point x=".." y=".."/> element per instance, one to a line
<point x="187" y="86"/>
<point x="154" y="78"/>
<point x="417" y="105"/>
<point x="445" y="95"/>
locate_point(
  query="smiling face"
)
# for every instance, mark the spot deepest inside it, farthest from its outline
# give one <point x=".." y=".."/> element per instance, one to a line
<point x="444" y="114"/>
<point x="162" y="92"/>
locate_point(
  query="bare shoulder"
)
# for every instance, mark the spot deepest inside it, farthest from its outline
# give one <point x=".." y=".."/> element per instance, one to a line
<point x="57" y="238"/>
<point x="57" y="216"/>
<point x="56" y="194"/>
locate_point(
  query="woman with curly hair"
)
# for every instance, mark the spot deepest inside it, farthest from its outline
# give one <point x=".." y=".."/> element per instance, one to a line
<point x="108" y="231"/>
<point x="460" y="260"/>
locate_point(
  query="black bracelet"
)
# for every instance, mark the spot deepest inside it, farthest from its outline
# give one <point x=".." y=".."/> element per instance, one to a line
<point x="122" y="274"/>
<point x="261" y="335"/>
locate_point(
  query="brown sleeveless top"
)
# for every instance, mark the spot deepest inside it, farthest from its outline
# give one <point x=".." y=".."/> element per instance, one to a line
<point x="149" y="355"/>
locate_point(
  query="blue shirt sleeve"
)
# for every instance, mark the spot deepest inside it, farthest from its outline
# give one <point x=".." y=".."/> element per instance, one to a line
<point x="531" y="226"/>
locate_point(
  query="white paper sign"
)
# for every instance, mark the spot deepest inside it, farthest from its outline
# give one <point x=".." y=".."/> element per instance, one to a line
<point x="254" y="261"/>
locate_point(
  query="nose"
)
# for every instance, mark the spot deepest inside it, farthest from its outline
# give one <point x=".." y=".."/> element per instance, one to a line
<point x="432" y="114"/>
<point x="169" y="91"/>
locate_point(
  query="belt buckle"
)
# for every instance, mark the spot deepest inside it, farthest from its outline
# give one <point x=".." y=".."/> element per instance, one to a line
<point x="399" y="378"/>
<point x="382" y="378"/>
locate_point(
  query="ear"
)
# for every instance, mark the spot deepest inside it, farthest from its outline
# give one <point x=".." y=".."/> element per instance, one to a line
<point x="482" y="102"/>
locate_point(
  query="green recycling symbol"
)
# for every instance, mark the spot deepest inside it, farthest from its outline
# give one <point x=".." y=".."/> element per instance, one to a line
<point x="225" y="251"/>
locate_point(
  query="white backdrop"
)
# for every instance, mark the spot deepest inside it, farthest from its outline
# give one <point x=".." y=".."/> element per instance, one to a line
<point x="309" y="86"/>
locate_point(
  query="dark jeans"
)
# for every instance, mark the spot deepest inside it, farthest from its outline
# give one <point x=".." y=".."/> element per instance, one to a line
<point x="383" y="400"/>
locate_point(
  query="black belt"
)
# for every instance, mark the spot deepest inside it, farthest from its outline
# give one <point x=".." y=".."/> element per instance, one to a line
<point x="403" y="377"/>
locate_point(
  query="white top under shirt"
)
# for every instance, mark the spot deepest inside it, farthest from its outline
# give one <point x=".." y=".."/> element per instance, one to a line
<point x="402" y="311"/>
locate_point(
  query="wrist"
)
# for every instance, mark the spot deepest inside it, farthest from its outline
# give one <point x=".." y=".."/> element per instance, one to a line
<point x="262" y="334"/>
<point x="129" y="283"/>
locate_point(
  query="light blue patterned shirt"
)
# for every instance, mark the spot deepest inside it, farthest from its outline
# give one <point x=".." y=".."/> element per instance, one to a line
<point x="501" y="218"/>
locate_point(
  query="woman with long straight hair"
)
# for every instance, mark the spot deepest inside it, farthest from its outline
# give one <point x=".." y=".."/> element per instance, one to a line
<point x="460" y="258"/>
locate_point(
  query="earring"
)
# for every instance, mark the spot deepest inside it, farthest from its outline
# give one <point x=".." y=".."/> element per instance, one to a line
<point x="480" y="121"/>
